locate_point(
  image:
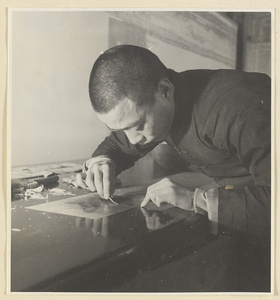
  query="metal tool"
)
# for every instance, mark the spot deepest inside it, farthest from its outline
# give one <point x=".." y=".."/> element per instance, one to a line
<point x="110" y="198"/>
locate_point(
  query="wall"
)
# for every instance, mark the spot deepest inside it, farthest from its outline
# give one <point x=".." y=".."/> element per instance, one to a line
<point x="51" y="57"/>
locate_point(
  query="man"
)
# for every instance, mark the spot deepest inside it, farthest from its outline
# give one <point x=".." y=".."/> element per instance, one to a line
<point x="217" y="120"/>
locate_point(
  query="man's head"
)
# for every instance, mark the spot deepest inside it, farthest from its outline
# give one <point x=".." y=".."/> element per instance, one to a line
<point x="130" y="91"/>
<point x="122" y="72"/>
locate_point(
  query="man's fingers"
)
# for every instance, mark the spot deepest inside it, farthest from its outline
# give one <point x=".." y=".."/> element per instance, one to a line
<point x="159" y="192"/>
<point x="112" y="181"/>
<point x="99" y="178"/>
<point x="154" y="194"/>
<point x="80" y="180"/>
<point x="146" y="200"/>
<point x="107" y="182"/>
<point x="90" y="181"/>
<point x="98" y="182"/>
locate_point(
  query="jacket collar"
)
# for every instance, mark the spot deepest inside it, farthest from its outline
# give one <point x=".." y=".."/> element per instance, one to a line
<point x="183" y="101"/>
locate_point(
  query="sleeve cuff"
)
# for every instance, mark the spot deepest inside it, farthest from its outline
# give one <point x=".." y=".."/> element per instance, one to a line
<point x="206" y="203"/>
<point x="200" y="205"/>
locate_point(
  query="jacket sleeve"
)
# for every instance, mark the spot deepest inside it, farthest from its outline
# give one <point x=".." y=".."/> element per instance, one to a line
<point x="118" y="148"/>
<point x="233" y="206"/>
<point x="245" y="210"/>
<point x="245" y="132"/>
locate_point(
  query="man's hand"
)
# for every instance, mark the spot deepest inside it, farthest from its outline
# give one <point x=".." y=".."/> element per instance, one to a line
<point x="100" y="178"/>
<point x="167" y="191"/>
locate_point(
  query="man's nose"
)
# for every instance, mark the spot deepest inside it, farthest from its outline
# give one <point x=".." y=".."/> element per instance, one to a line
<point x="134" y="136"/>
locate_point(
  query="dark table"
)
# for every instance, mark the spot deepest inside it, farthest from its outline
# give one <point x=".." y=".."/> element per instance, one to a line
<point x="133" y="251"/>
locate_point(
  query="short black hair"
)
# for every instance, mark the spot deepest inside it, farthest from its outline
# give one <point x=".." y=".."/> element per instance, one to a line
<point x="124" y="71"/>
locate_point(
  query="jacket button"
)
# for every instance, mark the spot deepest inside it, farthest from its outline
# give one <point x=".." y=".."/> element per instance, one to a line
<point x="229" y="187"/>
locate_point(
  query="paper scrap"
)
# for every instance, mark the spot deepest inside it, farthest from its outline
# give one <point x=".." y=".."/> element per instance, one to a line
<point x="60" y="192"/>
<point x="38" y="193"/>
<point x="38" y="189"/>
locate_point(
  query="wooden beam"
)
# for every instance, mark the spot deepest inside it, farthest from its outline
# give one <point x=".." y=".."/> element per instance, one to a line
<point x="209" y="34"/>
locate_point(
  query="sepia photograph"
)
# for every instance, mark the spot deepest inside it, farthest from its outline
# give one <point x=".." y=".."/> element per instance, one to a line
<point x="141" y="151"/>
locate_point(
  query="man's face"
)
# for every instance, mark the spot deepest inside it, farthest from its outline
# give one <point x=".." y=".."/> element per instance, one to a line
<point x="141" y="124"/>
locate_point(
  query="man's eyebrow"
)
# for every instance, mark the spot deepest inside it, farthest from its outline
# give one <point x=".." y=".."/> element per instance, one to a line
<point x="126" y="128"/>
<point x="117" y="129"/>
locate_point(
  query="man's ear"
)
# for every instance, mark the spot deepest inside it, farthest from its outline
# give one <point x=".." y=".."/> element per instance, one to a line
<point x="165" y="88"/>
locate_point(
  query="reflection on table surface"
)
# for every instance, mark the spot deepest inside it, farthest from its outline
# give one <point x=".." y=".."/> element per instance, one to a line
<point x="127" y="251"/>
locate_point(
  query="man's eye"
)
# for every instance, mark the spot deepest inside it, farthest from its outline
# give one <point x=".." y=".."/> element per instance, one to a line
<point x="140" y="127"/>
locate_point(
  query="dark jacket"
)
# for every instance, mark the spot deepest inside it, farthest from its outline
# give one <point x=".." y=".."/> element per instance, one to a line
<point x="222" y="126"/>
